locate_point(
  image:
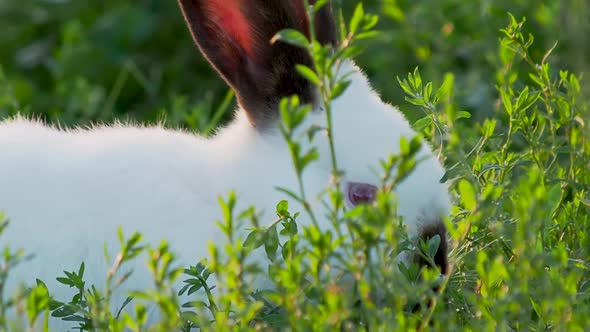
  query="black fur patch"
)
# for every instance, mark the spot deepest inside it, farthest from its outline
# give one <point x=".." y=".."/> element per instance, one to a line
<point x="261" y="73"/>
<point x="441" y="257"/>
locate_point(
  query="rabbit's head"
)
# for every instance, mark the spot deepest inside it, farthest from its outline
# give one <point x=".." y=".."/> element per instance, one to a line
<point x="235" y="36"/>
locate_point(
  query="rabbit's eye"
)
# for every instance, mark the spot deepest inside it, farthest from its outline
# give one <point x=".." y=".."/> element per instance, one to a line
<point x="359" y="193"/>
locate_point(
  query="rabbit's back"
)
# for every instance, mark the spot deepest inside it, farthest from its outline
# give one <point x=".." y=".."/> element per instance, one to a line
<point x="66" y="193"/>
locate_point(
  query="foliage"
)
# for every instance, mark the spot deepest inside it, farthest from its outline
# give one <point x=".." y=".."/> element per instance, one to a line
<point x="509" y="123"/>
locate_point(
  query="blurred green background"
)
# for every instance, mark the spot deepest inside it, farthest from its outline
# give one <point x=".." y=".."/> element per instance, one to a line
<point x="82" y="61"/>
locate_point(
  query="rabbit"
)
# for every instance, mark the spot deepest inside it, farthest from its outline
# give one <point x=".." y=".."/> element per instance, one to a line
<point x="66" y="191"/>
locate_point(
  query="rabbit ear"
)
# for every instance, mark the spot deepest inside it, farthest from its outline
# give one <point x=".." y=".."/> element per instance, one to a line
<point x="324" y="25"/>
<point x="235" y="36"/>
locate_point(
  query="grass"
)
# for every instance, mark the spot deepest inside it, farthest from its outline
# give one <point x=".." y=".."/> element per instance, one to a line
<point x="508" y="114"/>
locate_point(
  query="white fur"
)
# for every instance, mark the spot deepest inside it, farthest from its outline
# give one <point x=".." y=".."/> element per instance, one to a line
<point x="67" y="191"/>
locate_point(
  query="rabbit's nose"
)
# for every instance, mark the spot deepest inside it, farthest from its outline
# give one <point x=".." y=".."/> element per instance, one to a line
<point x="361" y="193"/>
<point x="429" y="231"/>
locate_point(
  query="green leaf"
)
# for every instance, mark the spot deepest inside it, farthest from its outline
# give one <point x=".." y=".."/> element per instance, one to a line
<point x="554" y="198"/>
<point x="319" y="4"/>
<point x="369" y="22"/>
<point x="291" y="36"/>
<point x="403" y="83"/>
<point x="506" y="101"/>
<point x="463" y="115"/>
<point x="422" y="123"/>
<point x="194" y="304"/>
<point x="433" y="245"/>
<point x="313" y="130"/>
<point x="415" y="80"/>
<point x="404" y="146"/>
<point x="308" y="74"/>
<point x="81" y="270"/>
<point x="65" y="281"/>
<point x="309" y="157"/>
<point x="488" y="128"/>
<point x="190" y="316"/>
<point x="283" y="209"/>
<point x="574" y="84"/>
<point x="467" y="192"/>
<point x="525" y="100"/>
<point x="290" y="193"/>
<point x="339" y="89"/>
<point x="299" y="115"/>
<point x="415" y="101"/>
<point x="427" y="93"/>
<point x="357" y="18"/>
<point x="366" y="35"/>
<point x="536" y="307"/>
<point x="254" y="240"/>
<point x="415" y="145"/>
<point x="271" y="243"/>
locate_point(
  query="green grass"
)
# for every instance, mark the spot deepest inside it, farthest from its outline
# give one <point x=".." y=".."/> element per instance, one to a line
<point x="509" y="115"/>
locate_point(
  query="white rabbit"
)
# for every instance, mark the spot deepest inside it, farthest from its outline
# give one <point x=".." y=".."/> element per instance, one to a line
<point x="67" y="190"/>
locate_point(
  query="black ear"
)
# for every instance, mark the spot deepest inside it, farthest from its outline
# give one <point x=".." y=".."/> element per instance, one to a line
<point x="235" y="37"/>
<point x="325" y="26"/>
